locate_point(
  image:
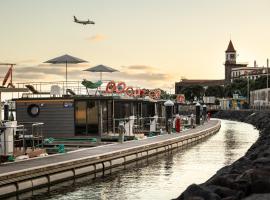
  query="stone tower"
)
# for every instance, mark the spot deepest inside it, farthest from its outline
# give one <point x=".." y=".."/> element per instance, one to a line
<point x="230" y="62"/>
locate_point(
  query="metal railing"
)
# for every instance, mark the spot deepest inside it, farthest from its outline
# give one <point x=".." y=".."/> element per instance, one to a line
<point x="44" y="88"/>
<point x="140" y="125"/>
<point x="31" y="132"/>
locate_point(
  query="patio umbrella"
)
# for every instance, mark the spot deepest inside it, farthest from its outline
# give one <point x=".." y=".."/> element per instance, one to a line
<point x="65" y="59"/>
<point x="100" y="69"/>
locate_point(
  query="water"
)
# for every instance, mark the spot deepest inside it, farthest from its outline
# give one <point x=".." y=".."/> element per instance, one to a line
<point x="169" y="175"/>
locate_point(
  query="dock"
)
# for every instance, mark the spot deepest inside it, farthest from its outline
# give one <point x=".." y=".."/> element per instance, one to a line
<point x="26" y="175"/>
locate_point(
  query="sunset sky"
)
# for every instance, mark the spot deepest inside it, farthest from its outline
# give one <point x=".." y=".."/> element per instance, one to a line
<point x="153" y="43"/>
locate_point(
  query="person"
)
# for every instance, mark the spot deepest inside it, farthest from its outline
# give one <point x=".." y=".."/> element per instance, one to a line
<point x="208" y="116"/>
<point x="192" y="120"/>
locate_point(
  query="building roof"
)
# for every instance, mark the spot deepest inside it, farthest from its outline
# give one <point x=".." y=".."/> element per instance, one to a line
<point x="203" y="82"/>
<point x="248" y="68"/>
<point x="230" y="48"/>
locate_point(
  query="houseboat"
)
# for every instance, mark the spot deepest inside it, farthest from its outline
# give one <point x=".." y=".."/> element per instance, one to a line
<point x="79" y="112"/>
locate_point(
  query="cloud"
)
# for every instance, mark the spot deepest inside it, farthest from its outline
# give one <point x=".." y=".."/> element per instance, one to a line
<point x="39" y="70"/>
<point x="27" y="61"/>
<point x="97" y="38"/>
<point x="134" y="75"/>
<point x="44" y="72"/>
<point x="138" y="67"/>
<point x="146" y="76"/>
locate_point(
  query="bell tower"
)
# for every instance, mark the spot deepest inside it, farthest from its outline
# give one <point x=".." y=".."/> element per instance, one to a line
<point x="230" y="62"/>
<point x="230" y="54"/>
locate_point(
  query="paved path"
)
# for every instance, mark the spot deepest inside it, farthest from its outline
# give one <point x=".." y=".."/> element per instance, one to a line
<point x="96" y="151"/>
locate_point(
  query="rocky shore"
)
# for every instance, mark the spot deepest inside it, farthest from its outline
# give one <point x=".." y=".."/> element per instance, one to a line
<point x="247" y="178"/>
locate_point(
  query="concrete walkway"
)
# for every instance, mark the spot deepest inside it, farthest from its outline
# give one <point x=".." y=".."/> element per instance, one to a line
<point x="96" y="151"/>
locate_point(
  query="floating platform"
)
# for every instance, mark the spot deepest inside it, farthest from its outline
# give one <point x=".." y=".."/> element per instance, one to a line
<point x="26" y="175"/>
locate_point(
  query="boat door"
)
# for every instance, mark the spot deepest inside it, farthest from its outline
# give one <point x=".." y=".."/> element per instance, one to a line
<point x="92" y="117"/>
<point x="86" y="118"/>
<point x="80" y="118"/>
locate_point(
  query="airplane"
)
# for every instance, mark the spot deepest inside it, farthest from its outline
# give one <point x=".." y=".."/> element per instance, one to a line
<point x="83" y="22"/>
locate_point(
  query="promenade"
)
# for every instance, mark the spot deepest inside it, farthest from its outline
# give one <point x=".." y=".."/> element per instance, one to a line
<point x="28" y="174"/>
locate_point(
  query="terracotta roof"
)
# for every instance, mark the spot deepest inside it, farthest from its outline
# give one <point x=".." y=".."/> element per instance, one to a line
<point x="200" y="82"/>
<point x="230" y="47"/>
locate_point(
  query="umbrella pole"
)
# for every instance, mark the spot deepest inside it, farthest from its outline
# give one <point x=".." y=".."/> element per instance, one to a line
<point x="66" y="77"/>
<point x="100" y="80"/>
<point x="0" y="107"/>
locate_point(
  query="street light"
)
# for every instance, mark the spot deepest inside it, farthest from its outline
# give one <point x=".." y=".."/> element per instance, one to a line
<point x="267" y="65"/>
<point x="248" y="88"/>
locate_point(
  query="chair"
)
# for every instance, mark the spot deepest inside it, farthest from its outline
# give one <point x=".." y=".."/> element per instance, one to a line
<point x="91" y="85"/>
<point x="55" y="90"/>
<point x="70" y="91"/>
<point x="34" y="91"/>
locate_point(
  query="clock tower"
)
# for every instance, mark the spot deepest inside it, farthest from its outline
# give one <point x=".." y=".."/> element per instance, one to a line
<point x="230" y="54"/>
<point x="230" y="62"/>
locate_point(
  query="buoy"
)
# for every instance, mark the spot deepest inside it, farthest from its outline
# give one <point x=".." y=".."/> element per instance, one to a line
<point x="110" y="87"/>
<point x="120" y="88"/>
<point x="129" y="91"/>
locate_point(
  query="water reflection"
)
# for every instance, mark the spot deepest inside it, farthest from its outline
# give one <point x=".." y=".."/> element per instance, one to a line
<point x="166" y="176"/>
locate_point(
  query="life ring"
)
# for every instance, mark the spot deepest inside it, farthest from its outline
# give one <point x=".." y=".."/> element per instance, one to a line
<point x="137" y="93"/>
<point x="120" y="88"/>
<point x="146" y="92"/>
<point x="158" y="94"/>
<point x="152" y="94"/>
<point x="110" y="87"/>
<point x="33" y="110"/>
<point x="142" y="93"/>
<point x="129" y="91"/>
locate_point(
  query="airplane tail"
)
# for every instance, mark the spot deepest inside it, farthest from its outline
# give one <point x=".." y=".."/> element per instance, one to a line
<point x="75" y="19"/>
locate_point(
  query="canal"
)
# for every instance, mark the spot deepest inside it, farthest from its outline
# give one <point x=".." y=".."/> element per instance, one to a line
<point x="162" y="177"/>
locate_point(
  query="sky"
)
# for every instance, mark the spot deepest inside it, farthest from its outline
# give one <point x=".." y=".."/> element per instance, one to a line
<point x="153" y="43"/>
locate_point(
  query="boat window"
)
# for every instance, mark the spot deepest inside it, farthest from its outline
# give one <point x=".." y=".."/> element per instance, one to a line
<point x="33" y="110"/>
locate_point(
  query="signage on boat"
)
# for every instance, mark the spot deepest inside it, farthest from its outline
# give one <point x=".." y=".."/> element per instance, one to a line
<point x="68" y="104"/>
<point x="122" y="88"/>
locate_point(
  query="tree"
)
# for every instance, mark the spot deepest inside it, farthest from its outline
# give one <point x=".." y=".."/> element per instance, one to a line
<point x="193" y="91"/>
<point x="215" y="90"/>
<point x="238" y="86"/>
<point x="260" y="83"/>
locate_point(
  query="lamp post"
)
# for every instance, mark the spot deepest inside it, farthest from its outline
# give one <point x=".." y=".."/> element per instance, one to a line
<point x="267" y="65"/>
<point x="248" y="88"/>
<point x="198" y="113"/>
<point x="169" y="115"/>
<point x="204" y="112"/>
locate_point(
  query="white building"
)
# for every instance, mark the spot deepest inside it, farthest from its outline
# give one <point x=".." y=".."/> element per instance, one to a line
<point x="260" y="98"/>
<point x="244" y="72"/>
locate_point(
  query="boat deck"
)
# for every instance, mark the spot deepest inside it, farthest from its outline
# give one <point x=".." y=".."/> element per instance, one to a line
<point x="96" y="152"/>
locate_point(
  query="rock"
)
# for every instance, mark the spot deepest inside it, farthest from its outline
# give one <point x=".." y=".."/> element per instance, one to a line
<point x="260" y="186"/>
<point x="258" y="197"/>
<point x="263" y="161"/>
<point x="224" y="181"/>
<point x="225" y="192"/>
<point x="249" y="176"/>
<point x="196" y="192"/>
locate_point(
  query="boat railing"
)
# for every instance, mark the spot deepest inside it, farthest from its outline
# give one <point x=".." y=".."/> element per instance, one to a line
<point x="31" y="131"/>
<point x="138" y="125"/>
<point x="69" y="88"/>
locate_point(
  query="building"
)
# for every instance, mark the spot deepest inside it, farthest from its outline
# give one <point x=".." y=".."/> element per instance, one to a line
<point x="244" y="72"/>
<point x="189" y="82"/>
<point x="233" y="70"/>
<point x="230" y="63"/>
<point x="260" y="98"/>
